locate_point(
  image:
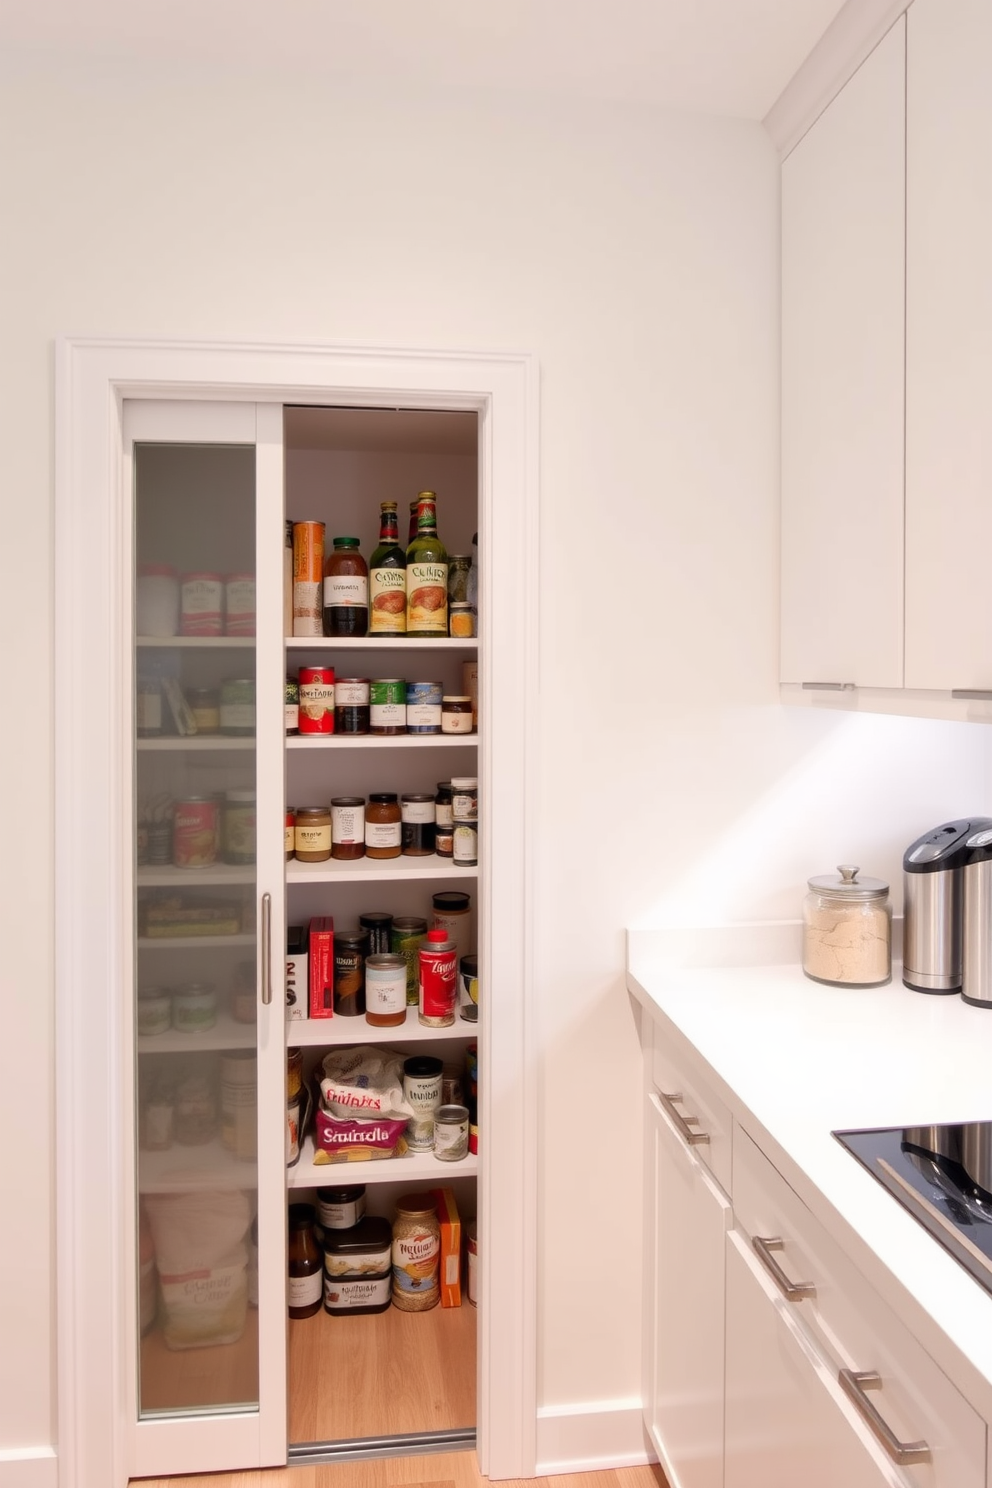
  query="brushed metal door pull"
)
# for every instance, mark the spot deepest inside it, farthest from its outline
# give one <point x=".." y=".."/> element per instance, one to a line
<point x="684" y="1123"/>
<point x="829" y="686"/>
<point x="982" y="695"/>
<point x="854" y="1383"/>
<point x="793" y="1291"/>
<point x="266" y="949"/>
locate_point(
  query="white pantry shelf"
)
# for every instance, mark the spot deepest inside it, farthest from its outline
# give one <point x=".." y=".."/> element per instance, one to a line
<point x="383" y="870"/>
<point x="198" y="643"/>
<point x="310" y="1033"/>
<point x="169" y="877"/>
<point x="380" y="741"/>
<point x="416" y="1167"/>
<point x="208" y="742"/>
<point x="188" y="1169"/>
<point x="192" y="942"/>
<point x="227" y="1033"/>
<point x="381" y="643"/>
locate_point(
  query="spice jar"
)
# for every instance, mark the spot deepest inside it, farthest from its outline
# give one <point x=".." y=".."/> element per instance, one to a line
<point x="383" y="826"/>
<point x="348" y="827"/>
<point x="312" y="833"/>
<point x="847" y="929"/>
<point x="306" y="1264"/>
<point x="416" y="1253"/>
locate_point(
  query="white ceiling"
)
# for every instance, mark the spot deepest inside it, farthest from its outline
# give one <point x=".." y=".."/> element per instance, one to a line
<point x="715" y="56"/>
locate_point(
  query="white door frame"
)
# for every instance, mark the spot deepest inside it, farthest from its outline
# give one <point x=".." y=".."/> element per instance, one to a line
<point x="93" y="378"/>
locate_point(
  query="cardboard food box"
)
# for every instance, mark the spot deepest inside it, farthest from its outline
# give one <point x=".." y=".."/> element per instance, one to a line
<point x="297" y="978"/>
<point x="451" y="1246"/>
<point x="322" y="967"/>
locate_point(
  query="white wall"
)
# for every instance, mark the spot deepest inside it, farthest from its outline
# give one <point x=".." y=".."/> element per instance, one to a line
<point x="636" y="255"/>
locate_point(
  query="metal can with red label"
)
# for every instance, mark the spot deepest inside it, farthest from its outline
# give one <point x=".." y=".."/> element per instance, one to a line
<point x="316" y="700"/>
<point x="438" y="980"/>
<point x="194" y="832"/>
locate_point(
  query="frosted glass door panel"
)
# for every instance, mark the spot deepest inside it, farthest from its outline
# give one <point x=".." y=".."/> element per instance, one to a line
<point x="195" y="928"/>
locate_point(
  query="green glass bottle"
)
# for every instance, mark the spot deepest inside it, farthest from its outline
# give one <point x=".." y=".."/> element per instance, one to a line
<point x="387" y="577"/>
<point x="426" y="574"/>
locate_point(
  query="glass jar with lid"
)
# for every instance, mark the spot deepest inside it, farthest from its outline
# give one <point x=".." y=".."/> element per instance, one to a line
<point x="847" y="929"/>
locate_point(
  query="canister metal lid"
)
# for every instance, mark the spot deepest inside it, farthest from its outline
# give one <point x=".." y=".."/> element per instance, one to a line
<point x="848" y="885"/>
<point x="371" y="1233"/>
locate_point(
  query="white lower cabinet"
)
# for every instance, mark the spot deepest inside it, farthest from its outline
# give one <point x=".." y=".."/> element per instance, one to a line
<point x="769" y="1360"/>
<point x="684" y="1405"/>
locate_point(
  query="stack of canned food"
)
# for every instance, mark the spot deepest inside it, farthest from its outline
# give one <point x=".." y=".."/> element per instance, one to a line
<point x="389" y="824"/>
<point x="197" y="831"/>
<point x="319" y="703"/>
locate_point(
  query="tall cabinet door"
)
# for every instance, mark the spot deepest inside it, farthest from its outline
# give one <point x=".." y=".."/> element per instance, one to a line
<point x="948" y="344"/>
<point x="842" y="383"/>
<point x="685" y="1294"/>
<point x="203" y="1014"/>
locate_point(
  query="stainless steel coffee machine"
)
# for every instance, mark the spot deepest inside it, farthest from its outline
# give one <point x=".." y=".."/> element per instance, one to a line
<point x="933" y="871"/>
<point x="976" y="936"/>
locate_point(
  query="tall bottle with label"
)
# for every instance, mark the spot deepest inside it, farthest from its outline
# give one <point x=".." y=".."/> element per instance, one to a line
<point x="387" y="577"/>
<point x="306" y="1270"/>
<point x="346" y="590"/>
<point x="427" y="574"/>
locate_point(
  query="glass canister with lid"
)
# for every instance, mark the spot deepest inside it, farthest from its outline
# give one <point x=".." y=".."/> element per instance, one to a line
<point x="847" y="929"/>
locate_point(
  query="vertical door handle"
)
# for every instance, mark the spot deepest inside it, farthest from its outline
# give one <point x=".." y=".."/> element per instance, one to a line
<point x="266" y="949"/>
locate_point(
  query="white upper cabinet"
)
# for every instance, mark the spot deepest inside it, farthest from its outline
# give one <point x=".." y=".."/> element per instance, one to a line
<point x="949" y="344"/>
<point x="843" y="208"/>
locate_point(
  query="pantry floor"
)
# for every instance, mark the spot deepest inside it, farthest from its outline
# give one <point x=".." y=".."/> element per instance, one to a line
<point x="446" y="1470"/>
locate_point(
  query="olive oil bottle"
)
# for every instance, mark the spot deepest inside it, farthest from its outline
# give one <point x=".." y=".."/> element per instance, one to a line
<point x="427" y="574"/>
<point x="387" y="577"/>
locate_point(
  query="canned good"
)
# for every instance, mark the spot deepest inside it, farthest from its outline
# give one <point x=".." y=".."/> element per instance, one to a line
<point x="292" y="705"/>
<point x="350" y="949"/>
<point x="465" y="844"/>
<point x="468" y="1000"/>
<point x="194" y="1008"/>
<point x="239" y="1103"/>
<point x="194" y="832"/>
<point x="385" y="990"/>
<point x="239" y="604"/>
<point x="406" y="938"/>
<point x="204" y="704"/>
<point x="348" y="827"/>
<point x="418" y="834"/>
<point x="423" y="707"/>
<point x="202" y="604"/>
<point x="387" y="705"/>
<point x="351" y="705"/>
<point x="341" y="1208"/>
<point x="379" y="925"/>
<point x="358" y="1268"/>
<point x="451" y="1133"/>
<point x="422" y="1075"/>
<point x="308" y="578"/>
<point x="438" y="980"/>
<point x="238" y="827"/>
<point x="237" y="707"/>
<point x="316" y="700"/>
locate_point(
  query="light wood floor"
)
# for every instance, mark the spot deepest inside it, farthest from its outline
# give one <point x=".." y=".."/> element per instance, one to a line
<point x="447" y="1470"/>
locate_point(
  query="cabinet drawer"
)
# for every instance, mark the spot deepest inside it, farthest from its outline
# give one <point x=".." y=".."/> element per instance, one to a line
<point x="854" y="1329"/>
<point x="677" y="1072"/>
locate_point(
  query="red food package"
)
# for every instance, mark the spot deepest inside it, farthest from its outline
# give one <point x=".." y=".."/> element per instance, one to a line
<point x="322" y="967"/>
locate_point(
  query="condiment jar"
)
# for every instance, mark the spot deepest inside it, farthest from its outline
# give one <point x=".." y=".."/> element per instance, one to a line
<point x="443" y="820"/>
<point x="306" y="1264"/>
<point x="847" y="930"/>
<point x="312" y="833"/>
<point x="418" y="830"/>
<point x="456" y="714"/>
<point x="416" y="1253"/>
<point x="383" y="826"/>
<point x="346" y="590"/>
<point x="348" y="827"/>
<point x="351" y="705"/>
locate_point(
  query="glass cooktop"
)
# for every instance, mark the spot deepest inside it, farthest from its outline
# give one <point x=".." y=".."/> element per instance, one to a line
<point x="921" y="1166"/>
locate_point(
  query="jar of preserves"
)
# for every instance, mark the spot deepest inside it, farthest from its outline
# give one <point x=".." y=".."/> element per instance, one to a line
<point x="341" y="1208"/>
<point x="456" y="714"/>
<point x="312" y="833"/>
<point x="237" y="834"/>
<point x="351" y="705"/>
<point x="306" y="1264"/>
<point x="462" y="621"/>
<point x="418" y="833"/>
<point x="348" y="827"/>
<point x="385" y="990"/>
<point x="204" y="704"/>
<point x="465" y="797"/>
<point x="346" y="590"/>
<point x="847" y="929"/>
<point x="443" y="820"/>
<point x="237" y="707"/>
<point x="416" y="1253"/>
<point x="465" y="843"/>
<point x="383" y="826"/>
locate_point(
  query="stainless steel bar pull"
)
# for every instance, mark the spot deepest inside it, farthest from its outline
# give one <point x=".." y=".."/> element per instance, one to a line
<point x="794" y="1291"/>
<point x="684" y="1123"/>
<point x="829" y="686"/>
<point x="854" y="1383"/>
<point x="266" y="948"/>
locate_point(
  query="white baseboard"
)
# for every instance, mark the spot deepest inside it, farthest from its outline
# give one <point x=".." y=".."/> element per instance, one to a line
<point x="28" y="1467"/>
<point x="595" y="1435"/>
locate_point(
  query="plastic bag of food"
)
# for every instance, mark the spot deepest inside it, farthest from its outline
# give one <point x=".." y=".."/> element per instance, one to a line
<point x="345" y="1139"/>
<point x="202" y="1265"/>
<point x="363" y="1083"/>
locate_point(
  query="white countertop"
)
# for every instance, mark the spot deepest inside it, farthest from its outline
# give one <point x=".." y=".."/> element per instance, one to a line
<point x="795" y="1060"/>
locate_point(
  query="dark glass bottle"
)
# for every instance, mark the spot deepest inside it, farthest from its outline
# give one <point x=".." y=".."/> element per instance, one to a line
<point x="306" y="1264"/>
<point x="387" y="577"/>
<point x="346" y="590"/>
